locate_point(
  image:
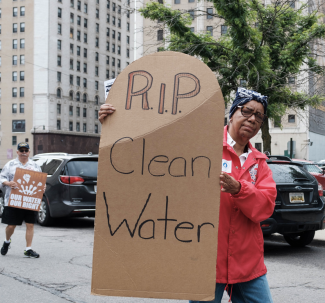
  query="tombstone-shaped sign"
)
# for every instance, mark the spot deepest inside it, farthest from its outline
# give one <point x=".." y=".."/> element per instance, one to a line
<point x="160" y="156"/>
<point x="29" y="193"/>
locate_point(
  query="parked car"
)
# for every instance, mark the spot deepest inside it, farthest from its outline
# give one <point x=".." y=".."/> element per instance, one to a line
<point x="299" y="205"/>
<point x="313" y="169"/>
<point x="276" y="157"/>
<point x="71" y="186"/>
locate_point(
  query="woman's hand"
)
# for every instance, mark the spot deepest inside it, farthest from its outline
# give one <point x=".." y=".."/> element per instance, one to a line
<point x="104" y="111"/>
<point x="229" y="184"/>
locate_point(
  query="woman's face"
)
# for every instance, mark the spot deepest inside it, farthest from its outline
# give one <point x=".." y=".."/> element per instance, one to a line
<point x="246" y="127"/>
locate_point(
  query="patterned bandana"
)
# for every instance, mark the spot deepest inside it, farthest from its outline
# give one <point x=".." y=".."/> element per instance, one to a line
<point x="243" y="96"/>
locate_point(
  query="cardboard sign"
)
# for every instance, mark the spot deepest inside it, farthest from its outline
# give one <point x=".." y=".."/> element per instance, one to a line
<point x="157" y="208"/>
<point x="29" y="193"/>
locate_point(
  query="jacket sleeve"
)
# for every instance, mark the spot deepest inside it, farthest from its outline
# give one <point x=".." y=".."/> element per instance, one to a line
<point x="257" y="201"/>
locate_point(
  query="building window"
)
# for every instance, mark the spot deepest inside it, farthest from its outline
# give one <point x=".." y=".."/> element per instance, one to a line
<point x="119" y="36"/>
<point x="71" y="3"/>
<point x="0" y="28"/>
<point x="113" y="62"/>
<point x="79" y="5"/>
<point x="224" y="29"/>
<point x="127" y="53"/>
<point x="78" y="50"/>
<point x="18" y="126"/>
<point x="14" y="43"/>
<point x="97" y="13"/>
<point x="71" y="81"/>
<point x="71" y="33"/>
<point x="107" y="18"/>
<point x="78" y="66"/>
<point x="78" y="35"/>
<point x="113" y="74"/>
<point x="96" y="129"/>
<point x="78" y="20"/>
<point x="192" y="29"/>
<point x="191" y="1"/>
<point x="277" y="121"/>
<point x="59" y="60"/>
<point x="107" y="74"/>
<point x="113" y="48"/>
<point x="209" y="13"/>
<point x="113" y="20"/>
<point x="85" y="52"/>
<point x="22" y="76"/>
<point x="114" y="7"/>
<point x="14" y="140"/>
<point x="292" y="4"/>
<point x="85" y="38"/>
<point x="59" y="29"/>
<point x="84" y="112"/>
<point x="177" y="1"/>
<point x="128" y="26"/>
<point x="191" y="12"/>
<point x="70" y="126"/>
<point x="58" y="93"/>
<point x="14" y="108"/>
<point x="85" y="82"/>
<point x="84" y="98"/>
<point x="210" y="30"/>
<point x="97" y="42"/>
<point x="59" y="44"/>
<point x="85" y="68"/>
<point x="71" y="18"/>
<point x="14" y="76"/>
<point x="84" y="127"/>
<point x="78" y="96"/>
<point x="96" y="101"/>
<point x="58" y="124"/>
<point x="22" y="11"/>
<point x="108" y="3"/>
<point x="71" y="64"/>
<point x="96" y="114"/>
<point x="291" y="119"/>
<point x="96" y="71"/>
<point x="258" y="146"/>
<point x="96" y="57"/>
<point x="14" y="27"/>
<point x="22" y="43"/>
<point x="86" y="8"/>
<point x="78" y="111"/>
<point x="118" y="63"/>
<point x="22" y="108"/>
<point x="291" y="80"/>
<point x="70" y="110"/>
<point x="78" y="83"/>
<point x="107" y="59"/>
<point x="97" y="28"/>
<point x="15" y="11"/>
<point x="58" y="109"/>
<point x="119" y="23"/>
<point x="58" y="76"/>
<point x="119" y="50"/>
<point x="96" y="85"/>
<point x="22" y="27"/>
<point x="59" y="12"/>
<point x="71" y="48"/>
<point x="128" y="39"/>
<point x="14" y="92"/>
<point x="22" y="92"/>
<point x="22" y="59"/>
<point x="78" y="127"/>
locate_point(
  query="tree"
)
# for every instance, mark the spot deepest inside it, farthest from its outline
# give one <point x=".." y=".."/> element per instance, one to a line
<point x="264" y="45"/>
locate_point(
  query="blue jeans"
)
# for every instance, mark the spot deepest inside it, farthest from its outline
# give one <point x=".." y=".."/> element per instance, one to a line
<point x="255" y="291"/>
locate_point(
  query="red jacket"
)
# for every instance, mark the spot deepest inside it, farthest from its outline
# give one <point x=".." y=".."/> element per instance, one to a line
<point x="240" y="239"/>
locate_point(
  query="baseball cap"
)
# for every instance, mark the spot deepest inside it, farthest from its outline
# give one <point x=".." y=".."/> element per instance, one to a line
<point x="22" y="144"/>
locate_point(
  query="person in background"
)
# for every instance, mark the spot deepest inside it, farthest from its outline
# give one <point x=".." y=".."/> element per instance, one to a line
<point x="248" y="194"/>
<point x="15" y="216"/>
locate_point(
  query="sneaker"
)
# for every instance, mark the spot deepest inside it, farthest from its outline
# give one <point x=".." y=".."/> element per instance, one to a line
<point x="31" y="254"/>
<point x="5" y="247"/>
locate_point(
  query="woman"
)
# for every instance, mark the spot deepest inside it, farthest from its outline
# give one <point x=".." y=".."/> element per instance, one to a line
<point x="247" y="197"/>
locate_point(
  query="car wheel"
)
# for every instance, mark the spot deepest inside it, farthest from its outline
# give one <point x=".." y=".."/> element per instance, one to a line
<point x="43" y="216"/>
<point x="2" y="203"/>
<point x="301" y="239"/>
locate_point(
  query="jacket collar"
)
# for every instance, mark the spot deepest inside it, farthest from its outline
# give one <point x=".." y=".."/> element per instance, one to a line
<point x="255" y="152"/>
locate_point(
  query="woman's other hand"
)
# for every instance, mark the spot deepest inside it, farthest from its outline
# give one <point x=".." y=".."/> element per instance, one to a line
<point x="104" y="111"/>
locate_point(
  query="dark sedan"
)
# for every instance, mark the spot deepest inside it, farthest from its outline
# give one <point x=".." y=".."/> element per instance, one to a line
<point x="299" y="206"/>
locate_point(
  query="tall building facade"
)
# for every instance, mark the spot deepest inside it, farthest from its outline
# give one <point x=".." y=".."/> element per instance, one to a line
<point x="55" y="56"/>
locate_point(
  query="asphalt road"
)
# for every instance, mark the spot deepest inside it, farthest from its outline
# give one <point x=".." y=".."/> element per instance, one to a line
<point x="63" y="272"/>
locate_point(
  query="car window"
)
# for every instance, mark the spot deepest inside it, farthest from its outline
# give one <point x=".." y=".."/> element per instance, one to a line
<point x="286" y="173"/>
<point x="313" y="168"/>
<point x="48" y="166"/>
<point x="85" y="168"/>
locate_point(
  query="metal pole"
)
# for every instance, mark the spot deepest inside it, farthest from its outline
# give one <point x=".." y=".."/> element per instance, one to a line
<point x="291" y="148"/>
